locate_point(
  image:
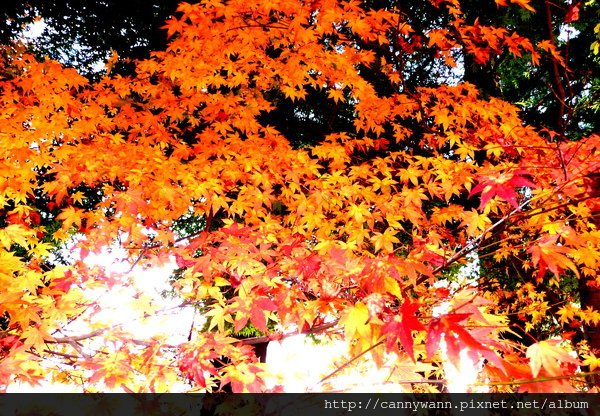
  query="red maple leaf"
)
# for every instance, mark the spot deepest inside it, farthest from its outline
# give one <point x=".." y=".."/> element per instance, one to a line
<point x="257" y="313"/>
<point x="572" y="14"/>
<point x="503" y="186"/>
<point x="457" y="338"/>
<point x="309" y="265"/>
<point x="401" y="326"/>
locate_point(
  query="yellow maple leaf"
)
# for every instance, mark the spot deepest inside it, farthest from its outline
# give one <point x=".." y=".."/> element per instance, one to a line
<point x="548" y="355"/>
<point x="355" y="320"/>
<point x="15" y="234"/>
<point x="567" y="314"/>
<point x="385" y="241"/>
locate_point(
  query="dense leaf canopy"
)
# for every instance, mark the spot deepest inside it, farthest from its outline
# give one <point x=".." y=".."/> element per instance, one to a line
<point x="315" y="167"/>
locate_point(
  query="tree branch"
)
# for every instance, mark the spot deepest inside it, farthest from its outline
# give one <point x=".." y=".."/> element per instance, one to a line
<point x="474" y="244"/>
<point x="267" y="338"/>
<point x="558" y="90"/>
<point x="347" y="363"/>
<point x="76" y="338"/>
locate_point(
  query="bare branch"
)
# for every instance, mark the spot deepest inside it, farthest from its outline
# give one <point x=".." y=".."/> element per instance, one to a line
<point x="76" y="338"/>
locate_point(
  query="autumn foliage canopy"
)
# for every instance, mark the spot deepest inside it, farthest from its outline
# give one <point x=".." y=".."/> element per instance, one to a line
<point x="429" y="227"/>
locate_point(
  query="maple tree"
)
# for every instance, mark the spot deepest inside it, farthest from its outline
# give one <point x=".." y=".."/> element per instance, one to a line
<point x="362" y="234"/>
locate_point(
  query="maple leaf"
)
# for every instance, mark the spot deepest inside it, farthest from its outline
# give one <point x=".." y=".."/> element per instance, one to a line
<point x="355" y="321"/>
<point x="15" y="234"/>
<point x="401" y="326"/>
<point x="572" y="14"/>
<point x="567" y="314"/>
<point x="78" y="197"/>
<point x="310" y="265"/>
<point x="591" y="360"/>
<point x="36" y="337"/>
<point x="183" y="263"/>
<point x="524" y="4"/>
<point x="259" y="309"/>
<point x="457" y="338"/>
<point x="371" y="213"/>
<point x="336" y="95"/>
<point x="549" y="356"/>
<point x="385" y="241"/>
<point x="503" y="186"/>
<point x="549" y="254"/>
<point x="219" y="317"/>
<point x="244" y="377"/>
<point x="70" y="216"/>
<point x="439" y="327"/>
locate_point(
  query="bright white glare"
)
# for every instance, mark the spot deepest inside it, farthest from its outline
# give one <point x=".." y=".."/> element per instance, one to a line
<point x="296" y="363"/>
<point x="287" y="359"/>
<point x="140" y="292"/>
<point x="567" y="32"/>
<point x="461" y="377"/>
<point x="300" y="364"/>
<point x="33" y="30"/>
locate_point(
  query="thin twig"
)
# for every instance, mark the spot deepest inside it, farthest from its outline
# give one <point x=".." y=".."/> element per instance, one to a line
<point x="78" y="348"/>
<point x="474" y="244"/>
<point x="347" y="363"/>
<point x="76" y="338"/>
